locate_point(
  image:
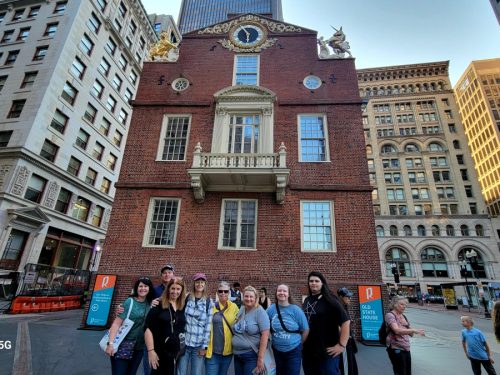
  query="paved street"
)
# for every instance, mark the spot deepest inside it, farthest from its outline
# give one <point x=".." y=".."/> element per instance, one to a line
<point x="51" y="344"/>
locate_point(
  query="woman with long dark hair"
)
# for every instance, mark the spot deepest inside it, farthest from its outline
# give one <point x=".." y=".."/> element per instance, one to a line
<point x="164" y="329"/>
<point x="127" y="358"/>
<point x="328" y="328"/>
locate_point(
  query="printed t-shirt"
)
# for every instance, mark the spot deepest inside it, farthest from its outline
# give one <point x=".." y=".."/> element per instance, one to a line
<point x="250" y="324"/>
<point x="294" y="319"/>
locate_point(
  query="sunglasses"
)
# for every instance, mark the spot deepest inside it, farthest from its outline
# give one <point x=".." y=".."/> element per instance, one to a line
<point x="222" y="291"/>
<point x="144" y="279"/>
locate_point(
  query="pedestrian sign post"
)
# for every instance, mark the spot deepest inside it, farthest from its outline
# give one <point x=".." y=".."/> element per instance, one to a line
<point x="371" y="312"/>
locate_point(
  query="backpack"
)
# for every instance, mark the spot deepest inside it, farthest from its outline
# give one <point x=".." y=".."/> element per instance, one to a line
<point x="383" y="331"/>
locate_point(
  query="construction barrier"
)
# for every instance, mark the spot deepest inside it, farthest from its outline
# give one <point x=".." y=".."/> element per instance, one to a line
<point x="29" y="305"/>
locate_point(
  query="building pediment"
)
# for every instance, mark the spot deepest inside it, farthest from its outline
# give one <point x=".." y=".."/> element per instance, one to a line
<point x="28" y="214"/>
<point x="244" y="93"/>
<point x="270" y="24"/>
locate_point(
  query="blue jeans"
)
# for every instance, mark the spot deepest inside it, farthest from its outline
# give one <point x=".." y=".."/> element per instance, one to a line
<point x="126" y="366"/>
<point x="191" y="359"/>
<point x="288" y="363"/>
<point x="245" y="363"/>
<point x="146" y="368"/>
<point x="218" y="364"/>
<point x="315" y="366"/>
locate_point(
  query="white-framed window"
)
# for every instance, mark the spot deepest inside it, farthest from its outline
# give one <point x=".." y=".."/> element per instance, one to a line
<point x="246" y="70"/>
<point x="244" y="133"/>
<point x="162" y="222"/>
<point x="317" y="226"/>
<point x="238" y="224"/>
<point x="174" y="137"/>
<point x="313" y="138"/>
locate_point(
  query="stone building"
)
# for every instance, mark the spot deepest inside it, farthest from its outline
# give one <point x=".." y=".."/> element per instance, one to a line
<point x="244" y="166"/>
<point x="478" y="99"/>
<point x="68" y="70"/>
<point x="427" y="200"/>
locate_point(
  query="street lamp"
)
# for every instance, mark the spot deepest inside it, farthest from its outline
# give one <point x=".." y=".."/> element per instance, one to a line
<point x="463" y="273"/>
<point x="471" y="255"/>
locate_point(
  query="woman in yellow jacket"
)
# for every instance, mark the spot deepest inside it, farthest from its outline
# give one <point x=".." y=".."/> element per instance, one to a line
<point x="220" y="351"/>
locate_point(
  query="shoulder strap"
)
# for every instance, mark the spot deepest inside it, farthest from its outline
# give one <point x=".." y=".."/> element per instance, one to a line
<point x="281" y="321"/>
<point x="130" y="307"/>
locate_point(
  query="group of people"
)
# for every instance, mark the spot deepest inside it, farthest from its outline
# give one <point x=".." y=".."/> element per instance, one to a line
<point x="399" y="331"/>
<point x="180" y="332"/>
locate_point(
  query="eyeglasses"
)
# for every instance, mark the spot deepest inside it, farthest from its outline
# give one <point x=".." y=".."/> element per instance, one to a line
<point x="223" y="291"/>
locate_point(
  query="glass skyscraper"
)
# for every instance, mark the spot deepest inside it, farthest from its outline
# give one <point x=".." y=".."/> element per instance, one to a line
<point x="196" y="14"/>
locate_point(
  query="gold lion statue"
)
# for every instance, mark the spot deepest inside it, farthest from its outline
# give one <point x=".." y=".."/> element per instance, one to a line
<point x="164" y="49"/>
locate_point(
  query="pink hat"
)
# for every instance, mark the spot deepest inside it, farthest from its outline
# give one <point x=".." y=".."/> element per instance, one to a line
<point x="199" y="276"/>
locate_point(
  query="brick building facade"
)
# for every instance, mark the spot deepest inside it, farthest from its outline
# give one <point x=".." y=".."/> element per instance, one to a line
<point x="206" y="182"/>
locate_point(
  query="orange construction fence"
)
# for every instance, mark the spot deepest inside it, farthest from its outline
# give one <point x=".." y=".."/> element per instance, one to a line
<point x="28" y="305"/>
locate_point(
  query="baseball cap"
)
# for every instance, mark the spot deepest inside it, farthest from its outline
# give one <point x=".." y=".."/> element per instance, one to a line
<point x="168" y="266"/>
<point x="199" y="276"/>
<point x="344" y="292"/>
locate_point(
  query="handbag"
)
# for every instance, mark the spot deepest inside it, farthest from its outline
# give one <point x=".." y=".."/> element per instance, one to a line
<point x="123" y="331"/>
<point x="269" y="362"/>
<point x="125" y="350"/>
<point x="182" y="337"/>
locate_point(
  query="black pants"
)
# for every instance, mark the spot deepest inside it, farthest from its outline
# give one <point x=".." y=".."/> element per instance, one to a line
<point x="352" y="365"/>
<point x="401" y="361"/>
<point x="476" y="366"/>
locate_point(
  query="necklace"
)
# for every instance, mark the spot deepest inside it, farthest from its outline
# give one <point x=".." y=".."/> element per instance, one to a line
<point x="310" y="308"/>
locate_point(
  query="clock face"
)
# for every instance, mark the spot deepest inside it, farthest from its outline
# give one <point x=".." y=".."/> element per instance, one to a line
<point x="312" y="82"/>
<point x="248" y="35"/>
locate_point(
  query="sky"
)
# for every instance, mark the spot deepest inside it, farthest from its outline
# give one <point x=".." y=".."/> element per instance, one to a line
<point x="394" y="32"/>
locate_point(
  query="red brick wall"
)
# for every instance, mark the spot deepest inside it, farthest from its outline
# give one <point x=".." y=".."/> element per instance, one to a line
<point x="278" y="258"/>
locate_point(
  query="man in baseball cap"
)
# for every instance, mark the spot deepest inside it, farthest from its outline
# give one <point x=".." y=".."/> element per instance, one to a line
<point x="167" y="274"/>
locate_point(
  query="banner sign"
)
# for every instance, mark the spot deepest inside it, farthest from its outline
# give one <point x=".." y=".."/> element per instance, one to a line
<point x="101" y="300"/>
<point x="371" y="311"/>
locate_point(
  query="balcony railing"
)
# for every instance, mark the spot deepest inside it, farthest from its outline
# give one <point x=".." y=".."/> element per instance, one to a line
<point x="239" y="172"/>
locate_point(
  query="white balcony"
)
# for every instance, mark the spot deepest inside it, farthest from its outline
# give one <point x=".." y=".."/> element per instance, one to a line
<point x="239" y="172"/>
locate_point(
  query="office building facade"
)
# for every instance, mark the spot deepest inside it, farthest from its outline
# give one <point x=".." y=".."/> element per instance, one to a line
<point x="68" y="71"/>
<point x="428" y="206"/>
<point x="196" y="14"/>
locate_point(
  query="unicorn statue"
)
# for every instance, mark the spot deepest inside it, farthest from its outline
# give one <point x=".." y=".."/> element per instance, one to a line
<point x="337" y="42"/>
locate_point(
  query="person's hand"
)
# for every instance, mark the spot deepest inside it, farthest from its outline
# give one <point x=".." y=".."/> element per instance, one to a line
<point x="420" y="332"/>
<point x="334" y="350"/>
<point x="492" y="360"/>
<point x="260" y="365"/>
<point x="110" y="350"/>
<point x="155" y="302"/>
<point x="119" y="310"/>
<point x="153" y="359"/>
<point x="202" y="352"/>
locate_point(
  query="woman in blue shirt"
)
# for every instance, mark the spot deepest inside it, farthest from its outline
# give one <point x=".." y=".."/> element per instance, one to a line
<point x="289" y="329"/>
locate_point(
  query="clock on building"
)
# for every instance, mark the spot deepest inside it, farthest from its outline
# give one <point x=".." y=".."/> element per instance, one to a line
<point x="248" y="35"/>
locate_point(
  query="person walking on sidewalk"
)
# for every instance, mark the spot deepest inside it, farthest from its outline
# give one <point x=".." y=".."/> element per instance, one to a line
<point x="398" y="337"/>
<point x="348" y="364"/>
<point x="476" y="348"/>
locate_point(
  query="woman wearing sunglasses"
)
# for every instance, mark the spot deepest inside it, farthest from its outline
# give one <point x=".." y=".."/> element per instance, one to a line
<point x="220" y="351"/>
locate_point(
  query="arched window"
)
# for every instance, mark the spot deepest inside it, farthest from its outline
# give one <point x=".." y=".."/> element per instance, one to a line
<point x="421" y="230"/>
<point x="400" y="258"/>
<point x="450" y="230"/>
<point x="479" y="230"/>
<point x="393" y="230"/>
<point x="464" y="229"/>
<point x="411" y="147"/>
<point x="435" y="230"/>
<point x="407" y="230"/>
<point x="475" y="264"/>
<point x="379" y="231"/>
<point x="434" y="263"/>
<point x="434" y="146"/>
<point x="388" y="149"/>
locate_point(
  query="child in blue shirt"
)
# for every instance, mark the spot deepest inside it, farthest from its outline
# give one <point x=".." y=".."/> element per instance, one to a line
<point x="476" y="348"/>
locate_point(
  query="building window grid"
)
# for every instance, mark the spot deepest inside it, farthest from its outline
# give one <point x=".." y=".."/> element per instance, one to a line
<point x="59" y="121"/>
<point x="23" y="34"/>
<point x="87" y="45"/>
<point x="82" y="139"/>
<point x="69" y="93"/>
<point x="239" y="224"/>
<point x="317" y="226"/>
<point x="74" y="166"/>
<point x="40" y="53"/>
<point x="63" y="200"/>
<point x="78" y="68"/>
<point x="93" y="23"/>
<point x="5" y="138"/>
<point x="16" y="108"/>
<point x="313" y="138"/>
<point x="28" y="80"/>
<point x="91" y="176"/>
<point x="246" y="70"/>
<point x="51" y="29"/>
<point x="105" y="185"/>
<point x="163" y="222"/>
<point x="11" y="57"/>
<point x="35" y="189"/>
<point x="49" y="150"/>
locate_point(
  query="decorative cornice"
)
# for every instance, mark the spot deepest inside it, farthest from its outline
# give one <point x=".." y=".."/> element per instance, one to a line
<point x="275" y="27"/>
<point x="333" y="187"/>
<point x="230" y="46"/>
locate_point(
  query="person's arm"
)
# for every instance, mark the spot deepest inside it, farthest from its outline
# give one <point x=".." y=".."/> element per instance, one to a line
<point x="152" y="356"/>
<point x="208" y="327"/>
<point x="304" y="335"/>
<point x="404" y="331"/>
<point x="464" y="345"/>
<point x="113" y="330"/>
<point x="489" y="352"/>
<point x="264" y="337"/>
<point x="344" y="337"/>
